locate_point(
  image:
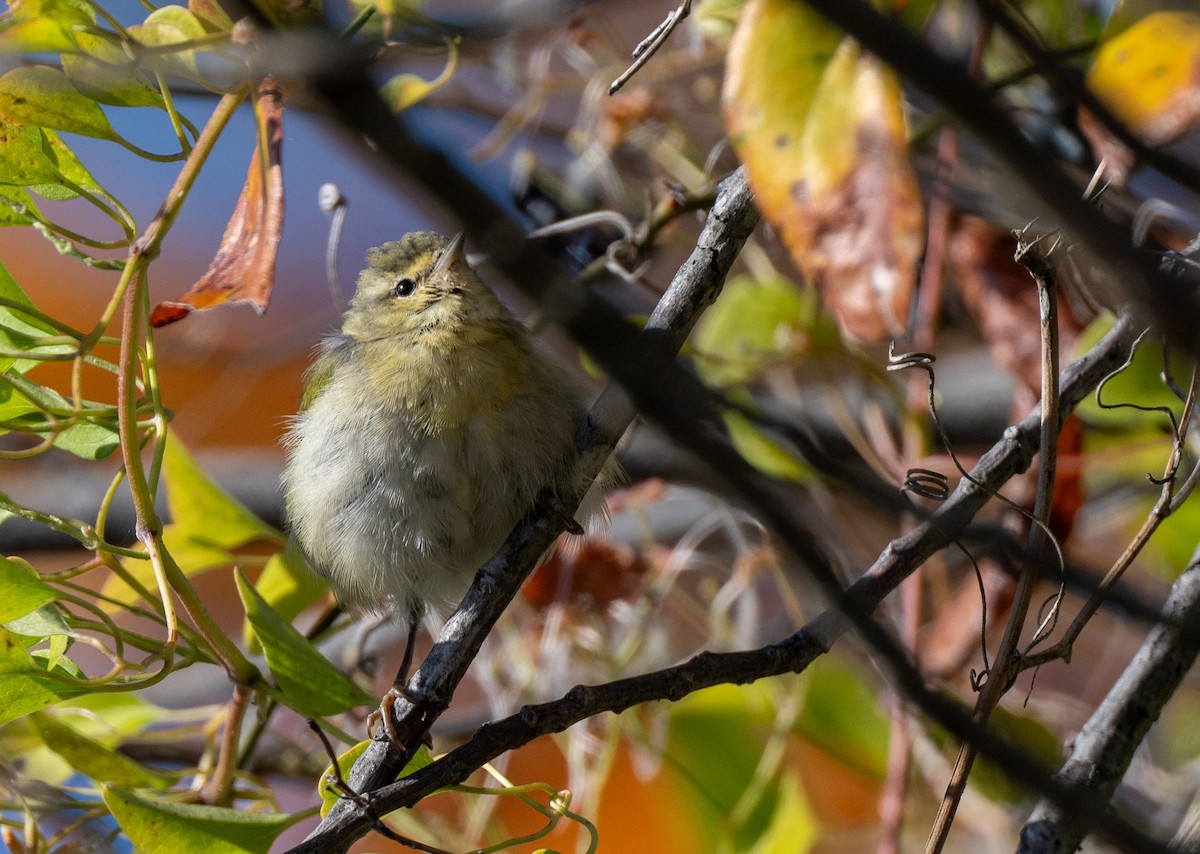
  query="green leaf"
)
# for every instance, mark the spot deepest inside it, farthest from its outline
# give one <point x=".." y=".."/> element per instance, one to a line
<point x="310" y="684"/>
<point x="327" y="788"/>
<point x="793" y="827"/>
<point x="202" y="510"/>
<point x="92" y="437"/>
<point x="168" y="827"/>
<point x="45" y="25"/>
<point x="717" y="737"/>
<point x="42" y="624"/>
<point x="287" y="585"/>
<point x="106" y="73"/>
<point x="21" y="590"/>
<point x="763" y="452"/>
<point x="27" y="685"/>
<point x="753" y="322"/>
<point x="211" y="15"/>
<point x="172" y="25"/>
<point x="43" y="96"/>
<point x="89" y="440"/>
<point x="19" y="330"/>
<point x="70" y="167"/>
<point x="407" y="89"/>
<point x="93" y="759"/>
<point x="841" y="717"/>
<point x="23" y="157"/>
<point x="17" y="207"/>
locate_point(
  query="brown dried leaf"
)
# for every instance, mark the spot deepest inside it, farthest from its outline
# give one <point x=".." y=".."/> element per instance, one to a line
<point x="244" y="267"/>
<point x="591" y="571"/>
<point x="1003" y="301"/>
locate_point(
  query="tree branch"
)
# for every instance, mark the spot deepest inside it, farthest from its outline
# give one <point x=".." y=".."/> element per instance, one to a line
<point x="1106" y="744"/>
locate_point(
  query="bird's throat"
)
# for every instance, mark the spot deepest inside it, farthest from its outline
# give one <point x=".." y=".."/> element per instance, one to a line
<point x="442" y="379"/>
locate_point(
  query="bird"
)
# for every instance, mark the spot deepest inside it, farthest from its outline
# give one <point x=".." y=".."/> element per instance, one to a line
<point x="428" y="427"/>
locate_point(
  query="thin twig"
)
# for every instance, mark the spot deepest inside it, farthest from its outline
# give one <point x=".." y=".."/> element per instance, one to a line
<point x="1005" y="661"/>
<point x="648" y="46"/>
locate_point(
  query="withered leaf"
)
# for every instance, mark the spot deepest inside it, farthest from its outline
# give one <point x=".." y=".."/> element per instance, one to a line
<point x="244" y="267"/>
<point x="822" y="134"/>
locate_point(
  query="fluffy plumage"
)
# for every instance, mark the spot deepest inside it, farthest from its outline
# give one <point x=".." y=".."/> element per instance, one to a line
<point x="429" y="426"/>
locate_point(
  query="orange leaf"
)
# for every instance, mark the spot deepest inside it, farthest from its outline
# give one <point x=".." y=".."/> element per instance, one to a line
<point x="1149" y="76"/>
<point x="244" y="267"/>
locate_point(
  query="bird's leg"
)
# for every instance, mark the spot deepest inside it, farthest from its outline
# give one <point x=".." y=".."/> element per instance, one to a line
<point x="384" y="714"/>
<point x="552" y="504"/>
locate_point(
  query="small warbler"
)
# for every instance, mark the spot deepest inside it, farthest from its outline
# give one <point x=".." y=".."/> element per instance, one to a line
<point x="429" y="426"/>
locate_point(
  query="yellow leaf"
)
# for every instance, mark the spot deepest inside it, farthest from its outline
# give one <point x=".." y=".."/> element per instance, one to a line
<point x="779" y="51"/>
<point x="1149" y="77"/>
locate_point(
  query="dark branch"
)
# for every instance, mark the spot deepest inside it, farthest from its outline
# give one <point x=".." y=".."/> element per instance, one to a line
<point x="1105" y="746"/>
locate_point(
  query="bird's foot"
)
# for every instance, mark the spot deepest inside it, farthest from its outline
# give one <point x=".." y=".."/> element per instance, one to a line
<point x="385" y="716"/>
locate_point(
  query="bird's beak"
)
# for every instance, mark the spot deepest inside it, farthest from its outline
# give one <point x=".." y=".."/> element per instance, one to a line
<point x="452" y="255"/>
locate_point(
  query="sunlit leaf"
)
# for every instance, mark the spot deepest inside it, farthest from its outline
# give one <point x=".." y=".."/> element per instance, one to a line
<point x="168" y="26"/>
<point x="17" y="207"/>
<point x="45" y="623"/>
<point x="202" y="510"/>
<point x="103" y="71"/>
<point x="793" y="826"/>
<point x="244" y="267"/>
<point x="44" y="25"/>
<point x="27" y="685"/>
<point x="405" y="90"/>
<point x="168" y="827"/>
<point x="21" y="589"/>
<point x="24" y="159"/>
<point x="753" y="322"/>
<point x="211" y="15"/>
<point x="1149" y="77"/>
<point x="70" y="166"/>
<point x="93" y="759"/>
<point x="716" y="19"/>
<point x="841" y="717"/>
<point x="43" y="96"/>
<point x="775" y="62"/>
<point x="823" y="138"/>
<point x="327" y="787"/>
<point x="717" y="736"/>
<point x="856" y="227"/>
<point x="761" y="451"/>
<point x="287" y="585"/>
<point x="312" y="685"/>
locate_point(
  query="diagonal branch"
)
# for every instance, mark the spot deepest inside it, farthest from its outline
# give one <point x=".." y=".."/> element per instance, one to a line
<point x="1104" y="747"/>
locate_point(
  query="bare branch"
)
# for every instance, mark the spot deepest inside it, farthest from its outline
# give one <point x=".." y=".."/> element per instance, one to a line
<point x="1106" y="744"/>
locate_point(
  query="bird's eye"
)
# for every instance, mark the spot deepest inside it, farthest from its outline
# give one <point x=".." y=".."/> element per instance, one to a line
<point x="404" y="288"/>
